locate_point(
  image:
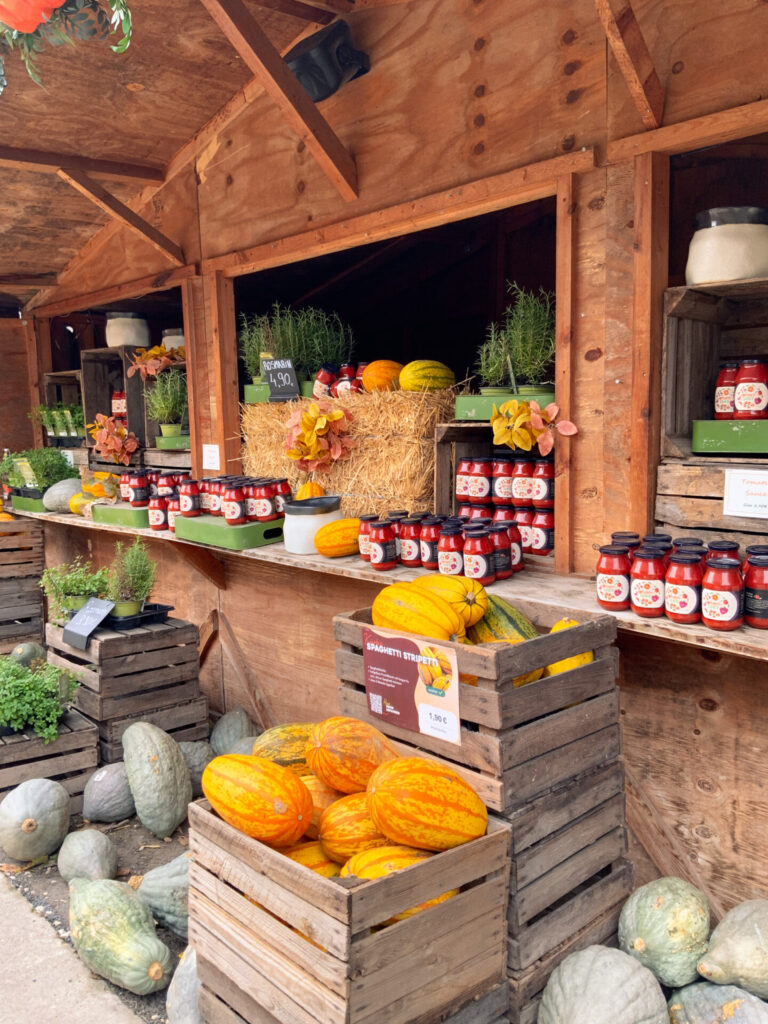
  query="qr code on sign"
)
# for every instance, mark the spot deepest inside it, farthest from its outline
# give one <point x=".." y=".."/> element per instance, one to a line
<point x="375" y="702"/>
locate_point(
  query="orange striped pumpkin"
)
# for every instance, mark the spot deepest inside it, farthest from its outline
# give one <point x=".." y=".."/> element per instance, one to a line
<point x="382" y="375"/>
<point x="314" y="857"/>
<point x="467" y="596"/>
<point x="384" y="860"/>
<point x="309" y="490"/>
<point x="414" y="610"/>
<point x="285" y="745"/>
<point x="343" y="752"/>
<point x="258" y="797"/>
<point x="346" y="828"/>
<point x="338" y="538"/>
<point x="425" y="804"/>
<point x="322" y="796"/>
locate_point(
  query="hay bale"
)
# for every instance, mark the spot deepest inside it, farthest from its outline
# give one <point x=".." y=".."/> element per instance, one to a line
<point x="392" y="464"/>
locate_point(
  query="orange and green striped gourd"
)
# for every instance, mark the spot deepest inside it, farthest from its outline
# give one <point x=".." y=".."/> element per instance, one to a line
<point x="425" y="804"/>
<point x="382" y="375"/>
<point x="384" y="860"/>
<point x="413" y="610"/>
<point x="258" y="797"/>
<point x="343" y="752"/>
<point x="426" y="375"/>
<point x="285" y="745"/>
<point x="338" y="538"/>
<point x="313" y="856"/>
<point x="346" y="828"/>
<point x="322" y="796"/>
<point x="503" y="623"/>
<point x="467" y="596"/>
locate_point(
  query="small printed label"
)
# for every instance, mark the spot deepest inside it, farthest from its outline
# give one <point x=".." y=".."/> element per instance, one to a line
<point x="502" y="486"/>
<point x="125" y="492"/>
<point x="233" y="510"/>
<point x="119" y="407"/>
<point x="450" y="563"/>
<point x="521" y="487"/>
<point x="462" y="485"/>
<point x="205" y="501"/>
<point x="215" y="503"/>
<point x="364" y="543"/>
<point x="525" y="536"/>
<point x="751" y="397"/>
<point x="724" y="399"/>
<point x="542" y="489"/>
<point x="280" y="503"/>
<point x="541" y="539"/>
<point x="172" y="513"/>
<point x="165" y="491"/>
<point x="612" y="587"/>
<point x="476" y="567"/>
<point x="647" y="593"/>
<point x="189" y="502"/>
<point x="479" y="487"/>
<point x="756" y="603"/>
<point x="515" y="553"/>
<point x="502" y="560"/>
<point x="262" y="508"/>
<point x="428" y="552"/>
<point x="136" y="494"/>
<point x="410" y="550"/>
<point x="721" y="605"/>
<point x="681" y="600"/>
<point x="320" y="390"/>
<point x="157" y="517"/>
<point x="382" y="553"/>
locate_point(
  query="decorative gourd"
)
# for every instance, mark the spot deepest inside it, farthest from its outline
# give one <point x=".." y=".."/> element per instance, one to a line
<point x="158" y="777"/>
<point x="197" y="754"/>
<point x="384" y="861"/>
<point x="665" y="925"/>
<point x="704" y="1003"/>
<point x="738" y="950"/>
<point x="566" y="664"/>
<point x="286" y="745"/>
<point x="467" y="596"/>
<point x="599" y="985"/>
<point x="346" y="828"/>
<point x="262" y="799"/>
<point x="503" y="623"/>
<point x="424" y="804"/>
<point x="79" y="502"/>
<point x="30" y="655"/>
<point x="165" y="890"/>
<point x="413" y="610"/>
<point x="114" y="935"/>
<point x="344" y="752"/>
<point x="230" y="728"/>
<point x="426" y="375"/>
<point x="381" y="375"/>
<point x="87" y="854"/>
<point x="34" y="818"/>
<point x="338" y="538"/>
<point x="313" y="856"/>
<point x="309" y="490"/>
<point x="107" y="795"/>
<point x="181" y="1001"/>
<point x="322" y="796"/>
<point x="56" y="497"/>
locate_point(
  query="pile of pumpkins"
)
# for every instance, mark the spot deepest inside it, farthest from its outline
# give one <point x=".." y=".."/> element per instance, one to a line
<point x="419" y="375"/>
<point x="665" y="940"/>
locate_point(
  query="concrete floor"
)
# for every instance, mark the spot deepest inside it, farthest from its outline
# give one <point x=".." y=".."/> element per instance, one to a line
<point x="42" y="981"/>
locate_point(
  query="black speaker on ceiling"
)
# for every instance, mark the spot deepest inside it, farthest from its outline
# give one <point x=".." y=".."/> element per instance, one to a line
<point x="322" y="63"/>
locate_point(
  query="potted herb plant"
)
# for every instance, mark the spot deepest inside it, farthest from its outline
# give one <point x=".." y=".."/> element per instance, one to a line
<point x="78" y="419"/>
<point x="131" y="578"/>
<point x="35" y="697"/>
<point x="41" y="417"/>
<point x="255" y="344"/>
<point x="68" y="586"/>
<point x="166" y="401"/>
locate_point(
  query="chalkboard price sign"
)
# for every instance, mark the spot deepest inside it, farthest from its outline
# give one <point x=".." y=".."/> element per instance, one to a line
<point x="281" y="377"/>
<point x="77" y="632"/>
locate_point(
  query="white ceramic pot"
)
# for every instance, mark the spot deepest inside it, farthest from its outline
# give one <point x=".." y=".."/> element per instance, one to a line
<point x="730" y="244"/>
<point x="304" y="518"/>
<point x="127" y="329"/>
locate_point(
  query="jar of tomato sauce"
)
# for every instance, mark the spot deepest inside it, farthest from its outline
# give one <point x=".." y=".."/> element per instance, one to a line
<point x="693" y="548"/>
<point x="756" y="592"/>
<point x="663" y="547"/>
<point x="462" y="479"/>
<point x="173" y="510"/>
<point x="613" y="577"/>
<point x="189" y="499"/>
<point x="215" y="486"/>
<point x="430" y="535"/>
<point x="627" y="539"/>
<point x="722" y="594"/>
<point x="125" y="484"/>
<point x="153" y="476"/>
<point x="522" y="481"/>
<point x="543" y="532"/>
<point x="753" y="549"/>
<point x="265" y="502"/>
<point x="478" y="557"/>
<point x="138" y="490"/>
<point x="503" y="514"/>
<point x="750" y="397"/>
<point x="682" y="588"/>
<point x="480" y="481"/>
<point x="502" y="557"/>
<point x="543" y="484"/>
<point x="158" y="513"/>
<point x="395" y="519"/>
<point x="233" y="505"/>
<point x="646" y="586"/>
<point x="503" y="466"/>
<point x="515" y="547"/>
<point x="166" y="485"/>
<point x="465" y="511"/>
<point x="364" y="535"/>
<point x="725" y="386"/>
<point x="524" y="521"/>
<point x="723" y="549"/>
<point x="282" y="494"/>
<point x="381" y="546"/>
<point x="410" y="542"/>
<point x="450" y="551"/>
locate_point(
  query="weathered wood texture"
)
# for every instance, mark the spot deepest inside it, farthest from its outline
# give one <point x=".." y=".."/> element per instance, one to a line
<point x="15" y="392"/>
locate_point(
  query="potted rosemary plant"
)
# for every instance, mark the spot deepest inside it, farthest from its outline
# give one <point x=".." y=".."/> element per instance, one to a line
<point x="166" y="401"/>
<point x="131" y="578"/>
<point x="68" y="586"/>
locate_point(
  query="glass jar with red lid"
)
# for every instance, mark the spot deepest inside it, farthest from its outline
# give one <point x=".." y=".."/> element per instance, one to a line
<point x="756" y="592"/>
<point x="478" y="557"/>
<point x="722" y="594"/>
<point x="283" y="493"/>
<point x="646" y="583"/>
<point x="215" y="488"/>
<point x="480" y="481"/>
<point x="364" y="535"/>
<point x="125" y="483"/>
<point x="138" y="489"/>
<point x="158" y="513"/>
<point x="543" y="484"/>
<point x="723" y="549"/>
<point x="515" y="547"/>
<point x="233" y="504"/>
<point x="395" y="518"/>
<point x="430" y="535"/>
<point x="326" y="376"/>
<point x="613" y="570"/>
<point x="502" y="556"/>
<point x="410" y="542"/>
<point x="543" y="532"/>
<point x="753" y="549"/>
<point x="503" y="514"/>
<point x="682" y="588"/>
<point x="750" y="397"/>
<point x="450" y="551"/>
<point x="264" y="500"/>
<point x="524" y="521"/>
<point x="166" y="485"/>
<point x="205" y="494"/>
<point x="461" y="483"/>
<point x="522" y="482"/>
<point x="381" y="546"/>
<point x="189" y="499"/>
<point x="173" y="510"/>
<point x="118" y="404"/>
<point x="153" y="475"/>
<point x="465" y="511"/>
<point x="502" y="468"/>
<point x="725" y="386"/>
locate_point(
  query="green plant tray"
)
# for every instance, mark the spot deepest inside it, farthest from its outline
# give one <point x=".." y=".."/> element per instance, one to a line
<point x="730" y="437"/>
<point x="28" y="504"/>
<point x="480" y="407"/>
<point x="121" y="514"/>
<point x="255" y="393"/>
<point x="214" y="531"/>
<point x="172" y="444"/>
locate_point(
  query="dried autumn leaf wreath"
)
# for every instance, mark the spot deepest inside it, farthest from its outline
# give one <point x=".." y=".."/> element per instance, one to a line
<point x="317" y="436"/>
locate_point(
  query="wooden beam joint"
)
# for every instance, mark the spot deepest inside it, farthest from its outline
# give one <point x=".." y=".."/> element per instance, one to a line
<point x="634" y="59"/>
<point x="50" y="163"/>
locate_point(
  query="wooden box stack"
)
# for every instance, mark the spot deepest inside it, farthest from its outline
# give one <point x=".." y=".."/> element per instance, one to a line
<point x="276" y="942"/>
<point x="546" y="757"/>
<point x="148" y="674"/>
<point x="21" y="599"/>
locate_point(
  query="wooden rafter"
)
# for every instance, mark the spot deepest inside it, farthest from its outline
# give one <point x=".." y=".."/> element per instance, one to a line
<point x="27" y="280"/>
<point x="51" y="163"/>
<point x="634" y="59"/>
<point x="235" y="21"/>
<point x="311" y="11"/>
<point x="112" y="206"/>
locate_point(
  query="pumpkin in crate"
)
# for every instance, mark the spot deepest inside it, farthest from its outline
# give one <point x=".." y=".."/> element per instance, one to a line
<point x="575" y="661"/>
<point x="158" y="776"/>
<point x="381" y="375"/>
<point x="466" y="596"/>
<point x="309" y="490"/>
<point x="31" y="655"/>
<point x="286" y="745"/>
<point x="426" y="375"/>
<point x="344" y="752"/>
<point x="258" y="797"/>
<point x="424" y="804"/>
<point x="346" y="828"/>
<point x="384" y="860"/>
<point x="411" y="609"/>
<point x="338" y="538"/>
<point x="704" y="1003"/>
<point x="313" y="856"/>
<point x="503" y="623"/>
<point x="738" y="951"/>
<point x="322" y="797"/>
<point x="665" y="925"/>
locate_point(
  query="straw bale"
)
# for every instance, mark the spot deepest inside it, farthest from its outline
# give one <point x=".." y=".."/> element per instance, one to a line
<point x="392" y="464"/>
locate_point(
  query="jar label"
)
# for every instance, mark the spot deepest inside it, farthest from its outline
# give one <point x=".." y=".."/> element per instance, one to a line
<point x="721" y="605"/>
<point x="233" y="510"/>
<point x="681" y="599"/>
<point x="477" y="567"/>
<point x="397" y="546"/>
<point x="462" y="485"/>
<point x="215" y="503"/>
<point x="138" y="494"/>
<point x="756" y="603"/>
<point x="515" y="553"/>
<point x="450" y="563"/>
<point x="502" y="560"/>
<point x="647" y="593"/>
<point x="172" y="513"/>
<point x="119" y="407"/>
<point x="542" y="539"/>
<point x="724" y="399"/>
<point x="751" y="397"/>
<point x="479" y="487"/>
<point x="320" y="390"/>
<point x="157" y="517"/>
<point x="612" y="587"/>
<point x="205" y="500"/>
<point x="502" y="486"/>
<point x="262" y="508"/>
<point x="521" y="486"/>
<point x="429" y="552"/>
<point x="410" y="551"/>
<point x="542" y="489"/>
<point x="125" y="492"/>
<point x="364" y="543"/>
<point x="382" y="552"/>
<point x="189" y="502"/>
<point x="525" y="536"/>
<point x="280" y="503"/>
<point x="165" y="491"/>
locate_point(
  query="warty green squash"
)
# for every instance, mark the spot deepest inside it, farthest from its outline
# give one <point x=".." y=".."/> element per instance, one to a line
<point x="181" y="1002"/>
<point x="107" y="795"/>
<point x="197" y="754"/>
<point x="87" y="854"/>
<point x="30" y="655"/>
<point x="738" y="949"/>
<point x="230" y="728"/>
<point x="704" y="1003"/>
<point x="34" y="818"/>
<point x="158" y="777"/>
<point x="165" y="890"/>
<point x="114" y="935"/>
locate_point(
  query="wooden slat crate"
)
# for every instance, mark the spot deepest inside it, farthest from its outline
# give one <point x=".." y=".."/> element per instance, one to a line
<point x="308" y="950"/>
<point x="70" y="759"/>
<point x="21" y="549"/>
<point x="516" y="742"/>
<point x="187" y="721"/>
<point x="21" y="612"/>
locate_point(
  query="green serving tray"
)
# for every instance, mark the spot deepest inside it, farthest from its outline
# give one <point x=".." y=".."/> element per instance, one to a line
<point x="480" y="407"/>
<point x="121" y="514"/>
<point x="214" y="531"/>
<point x="730" y="437"/>
<point x="28" y="504"/>
<point x="255" y="393"/>
<point x="172" y="444"/>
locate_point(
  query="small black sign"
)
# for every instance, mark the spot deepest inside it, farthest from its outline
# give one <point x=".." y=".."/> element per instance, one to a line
<point x="281" y="377"/>
<point x="77" y="632"/>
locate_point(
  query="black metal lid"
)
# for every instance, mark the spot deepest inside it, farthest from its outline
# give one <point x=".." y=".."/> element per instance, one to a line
<point x="652" y="537"/>
<point x="759" y="561"/>
<point x="724" y="563"/>
<point x="685" y="558"/>
<point x="722" y="545"/>
<point x="719" y="215"/>
<point x="313" y="506"/>
<point x="650" y="553"/>
<point x="614" y="549"/>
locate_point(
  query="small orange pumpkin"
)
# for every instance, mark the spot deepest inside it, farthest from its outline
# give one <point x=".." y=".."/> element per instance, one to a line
<point x="382" y="375"/>
<point x="322" y="796"/>
<point x="338" y="538"/>
<point x="346" y="828"/>
<point x="309" y="490"/>
<point x="344" y="752"/>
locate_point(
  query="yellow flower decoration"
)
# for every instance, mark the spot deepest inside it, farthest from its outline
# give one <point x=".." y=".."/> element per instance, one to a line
<point x="511" y="425"/>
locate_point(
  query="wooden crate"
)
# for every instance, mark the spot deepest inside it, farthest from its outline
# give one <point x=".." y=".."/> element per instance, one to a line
<point x="70" y="759"/>
<point x="259" y="920"/>
<point x="21" y="549"/>
<point x="516" y="743"/>
<point x="105" y="370"/>
<point x="185" y="721"/>
<point x="21" y="612"/>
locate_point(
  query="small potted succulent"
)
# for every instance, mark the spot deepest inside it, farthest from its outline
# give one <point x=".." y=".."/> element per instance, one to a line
<point x="68" y="586"/>
<point x="33" y="697"/>
<point x="166" y="401"/>
<point x="131" y="578"/>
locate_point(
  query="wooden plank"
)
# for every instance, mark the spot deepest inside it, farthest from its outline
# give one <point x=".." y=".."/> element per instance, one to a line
<point x="107" y="644"/>
<point x="536" y="776"/>
<point x="138" y="287"/>
<point x="696" y="513"/>
<point x="34" y="749"/>
<point x="630" y="49"/>
<point x="564" y="285"/>
<point x="194" y="343"/>
<point x="298" y="9"/>
<point x="179" y="686"/>
<point x="283" y="87"/>
<point x="220" y="308"/>
<point x="111" y="752"/>
<point x="13" y="774"/>
<point x="50" y="163"/>
<point x="25" y="281"/>
<point x="263" y="713"/>
<point x="170" y="718"/>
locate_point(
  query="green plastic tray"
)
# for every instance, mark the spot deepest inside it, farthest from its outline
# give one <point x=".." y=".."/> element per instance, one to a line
<point x="480" y="407"/>
<point x="172" y="444"/>
<point x="121" y="514"/>
<point x="255" y="393"/>
<point x="731" y="437"/>
<point x="214" y="531"/>
<point x="28" y="504"/>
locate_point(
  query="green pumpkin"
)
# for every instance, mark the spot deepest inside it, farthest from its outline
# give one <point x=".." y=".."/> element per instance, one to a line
<point x="34" y="818"/>
<point x="738" y="949"/>
<point x="230" y="728"/>
<point x="704" y="1003"/>
<point x="87" y="854"/>
<point x="197" y="754"/>
<point x="181" y="1003"/>
<point x="107" y="795"/>
<point x="599" y="985"/>
<point x="665" y="925"/>
<point x="114" y="935"/>
<point x="158" y="777"/>
<point x="165" y="890"/>
<point x="244" y="746"/>
<point x="29" y="655"/>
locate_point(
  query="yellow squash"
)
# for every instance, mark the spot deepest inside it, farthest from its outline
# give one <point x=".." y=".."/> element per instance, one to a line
<point x="575" y="661"/>
<point x="412" y="610"/>
<point x="467" y="596"/>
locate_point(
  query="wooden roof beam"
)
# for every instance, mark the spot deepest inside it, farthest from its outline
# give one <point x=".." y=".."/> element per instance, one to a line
<point x="50" y="163"/>
<point x="119" y="211"/>
<point x="27" y="280"/>
<point x="634" y="59"/>
<point x="235" y="21"/>
<point x="312" y="11"/>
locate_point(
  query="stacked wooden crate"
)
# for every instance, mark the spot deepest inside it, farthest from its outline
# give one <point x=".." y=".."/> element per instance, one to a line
<point x="545" y="756"/>
<point x="147" y="674"/>
<point x="21" y="600"/>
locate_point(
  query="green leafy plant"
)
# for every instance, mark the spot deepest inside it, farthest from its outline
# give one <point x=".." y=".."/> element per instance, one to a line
<point x="9" y="471"/>
<point x="521" y="350"/>
<point x="34" y="697"/>
<point x="41" y="417"/>
<point x="78" y="416"/>
<point x="255" y="337"/>
<point x="71" y="579"/>
<point x="166" y="401"/>
<point x="308" y="337"/>
<point x="132" y="573"/>
<point x="49" y="466"/>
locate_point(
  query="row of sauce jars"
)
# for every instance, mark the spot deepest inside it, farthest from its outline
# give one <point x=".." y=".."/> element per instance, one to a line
<point x="741" y="390"/>
<point x="335" y="381"/>
<point x="506" y="481"/>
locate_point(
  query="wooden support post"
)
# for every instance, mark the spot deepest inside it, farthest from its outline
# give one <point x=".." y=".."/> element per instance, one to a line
<point x="564" y="510"/>
<point x="37" y="343"/>
<point x="197" y="392"/>
<point x="651" y="272"/>
<point x="224" y="387"/>
<point x="635" y="62"/>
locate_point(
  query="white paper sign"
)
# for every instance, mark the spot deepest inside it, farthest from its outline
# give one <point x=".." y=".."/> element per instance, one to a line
<point x="746" y="493"/>
<point x="211" y="457"/>
<point x="67" y="453"/>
